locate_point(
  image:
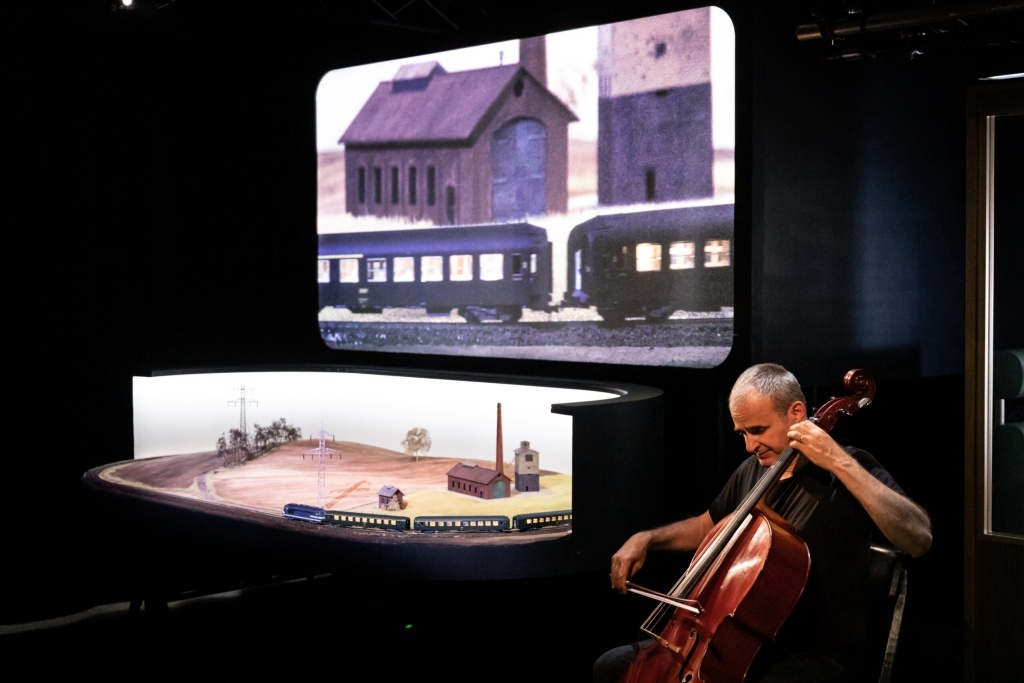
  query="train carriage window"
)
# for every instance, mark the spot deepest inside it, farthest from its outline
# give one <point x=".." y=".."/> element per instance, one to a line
<point x="323" y="270"/>
<point x="404" y="269"/>
<point x="682" y="255"/>
<point x="533" y="264"/>
<point x="348" y="269"/>
<point x="492" y="267"/>
<point x="431" y="268"/>
<point x="648" y="257"/>
<point x="376" y="270"/>
<point x="716" y="254"/>
<point x="460" y="267"/>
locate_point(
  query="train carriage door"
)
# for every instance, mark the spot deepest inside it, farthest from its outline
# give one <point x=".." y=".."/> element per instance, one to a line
<point x="518" y="170"/>
<point x="518" y="267"/>
<point x="718" y="271"/>
<point x="376" y="270"/>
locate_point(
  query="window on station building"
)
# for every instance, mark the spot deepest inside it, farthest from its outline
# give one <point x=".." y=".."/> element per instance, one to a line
<point x="682" y="255"/>
<point x="348" y="270"/>
<point x="492" y="267"/>
<point x="431" y="268"/>
<point x="378" y="185"/>
<point x="361" y="185"/>
<point x="648" y="257"/>
<point x="431" y="185"/>
<point x="716" y="254"/>
<point x="404" y="269"/>
<point x="412" y="184"/>
<point x="449" y="205"/>
<point x="460" y="267"/>
<point x="376" y="270"/>
<point x="395" y="186"/>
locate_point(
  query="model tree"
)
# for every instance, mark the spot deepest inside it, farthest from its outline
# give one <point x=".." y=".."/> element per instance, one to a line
<point x="417" y="441"/>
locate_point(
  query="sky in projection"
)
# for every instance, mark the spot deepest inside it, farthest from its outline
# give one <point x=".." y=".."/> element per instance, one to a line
<point x="177" y="414"/>
<point x="572" y="75"/>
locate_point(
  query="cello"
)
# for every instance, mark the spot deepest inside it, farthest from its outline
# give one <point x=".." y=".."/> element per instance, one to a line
<point x="742" y="583"/>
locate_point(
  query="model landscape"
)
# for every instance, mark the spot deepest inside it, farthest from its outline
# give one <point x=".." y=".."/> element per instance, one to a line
<point x="354" y="474"/>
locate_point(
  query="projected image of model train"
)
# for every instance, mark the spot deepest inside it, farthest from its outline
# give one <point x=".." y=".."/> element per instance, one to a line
<point x="645" y="265"/>
<point x="489" y="272"/>
<point x="651" y="264"/>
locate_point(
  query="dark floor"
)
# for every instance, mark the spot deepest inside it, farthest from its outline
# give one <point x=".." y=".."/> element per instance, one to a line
<point x="318" y="626"/>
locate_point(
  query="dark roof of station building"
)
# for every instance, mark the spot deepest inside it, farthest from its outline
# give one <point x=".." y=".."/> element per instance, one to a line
<point x="425" y="103"/>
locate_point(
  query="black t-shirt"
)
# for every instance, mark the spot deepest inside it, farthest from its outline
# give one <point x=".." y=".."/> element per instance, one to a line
<point x="830" y="615"/>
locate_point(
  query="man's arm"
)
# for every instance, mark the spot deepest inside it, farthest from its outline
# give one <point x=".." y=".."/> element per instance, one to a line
<point x="685" y="534"/>
<point x="904" y="522"/>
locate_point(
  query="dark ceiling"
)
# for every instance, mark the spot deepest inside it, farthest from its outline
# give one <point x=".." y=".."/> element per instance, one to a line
<point x="841" y="29"/>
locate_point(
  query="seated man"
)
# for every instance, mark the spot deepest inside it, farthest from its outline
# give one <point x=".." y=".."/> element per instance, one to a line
<point x="834" y="503"/>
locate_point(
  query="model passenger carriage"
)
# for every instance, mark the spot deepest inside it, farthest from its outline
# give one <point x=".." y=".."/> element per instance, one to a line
<point x="487" y="272"/>
<point x="652" y="263"/>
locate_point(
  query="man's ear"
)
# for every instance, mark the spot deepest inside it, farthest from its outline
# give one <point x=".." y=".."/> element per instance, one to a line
<point x="798" y="411"/>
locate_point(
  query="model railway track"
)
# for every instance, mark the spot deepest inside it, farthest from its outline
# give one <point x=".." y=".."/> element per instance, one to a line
<point x="668" y="333"/>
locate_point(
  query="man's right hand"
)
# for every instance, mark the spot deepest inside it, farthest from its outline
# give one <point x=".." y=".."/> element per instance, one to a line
<point x="628" y="560"/>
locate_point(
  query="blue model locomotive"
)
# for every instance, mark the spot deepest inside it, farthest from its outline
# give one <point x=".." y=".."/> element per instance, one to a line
<point x="307" y="513"/>
<point x="652" y="263"/>
<point x="488" y="272"/>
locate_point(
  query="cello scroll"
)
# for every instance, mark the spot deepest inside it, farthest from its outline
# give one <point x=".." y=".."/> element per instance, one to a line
<point x="861" y="384"/>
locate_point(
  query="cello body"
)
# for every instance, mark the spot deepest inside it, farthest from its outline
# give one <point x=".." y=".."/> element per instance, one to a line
<point x="744" y="601"/>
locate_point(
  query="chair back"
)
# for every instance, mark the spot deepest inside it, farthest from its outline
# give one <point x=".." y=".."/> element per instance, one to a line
<point x="887" y="588"/>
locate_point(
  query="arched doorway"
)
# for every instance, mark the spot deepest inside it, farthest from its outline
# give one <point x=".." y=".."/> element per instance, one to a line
<point x="518" y="169"/>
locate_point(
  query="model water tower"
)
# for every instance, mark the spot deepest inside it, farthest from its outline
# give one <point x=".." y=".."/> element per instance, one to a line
<point x="527" y="468"/>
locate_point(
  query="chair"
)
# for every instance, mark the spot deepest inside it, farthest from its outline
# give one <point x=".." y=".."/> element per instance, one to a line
<point x="887" y="586"/>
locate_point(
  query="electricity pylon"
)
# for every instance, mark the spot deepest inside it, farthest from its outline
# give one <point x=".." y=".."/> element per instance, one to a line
<point x="243" y="435"/>
<point x="321" y="478"/>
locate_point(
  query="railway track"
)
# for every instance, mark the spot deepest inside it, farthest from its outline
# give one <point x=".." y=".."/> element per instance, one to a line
<point x="691" y="332"/>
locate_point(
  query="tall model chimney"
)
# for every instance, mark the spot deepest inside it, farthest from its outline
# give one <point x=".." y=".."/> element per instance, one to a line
<point x="534" y="58"/>
<point x="499" y="465"/>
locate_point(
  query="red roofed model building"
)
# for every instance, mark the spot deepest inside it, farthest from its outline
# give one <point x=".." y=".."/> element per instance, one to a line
<point x="482" y="482"/>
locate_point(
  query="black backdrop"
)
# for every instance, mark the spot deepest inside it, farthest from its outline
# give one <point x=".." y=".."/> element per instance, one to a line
<point x="161" y="214"/>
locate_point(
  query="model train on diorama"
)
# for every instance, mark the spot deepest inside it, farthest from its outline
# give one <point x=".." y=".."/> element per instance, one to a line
<point x="645" y="264"/>
<point x="428" y="523"/>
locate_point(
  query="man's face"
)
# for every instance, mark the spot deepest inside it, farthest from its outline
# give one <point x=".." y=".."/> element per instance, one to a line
<point x="763" y="428"/>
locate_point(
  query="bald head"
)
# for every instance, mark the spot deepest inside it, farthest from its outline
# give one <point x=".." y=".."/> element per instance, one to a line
<point x="771" y="380"/>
